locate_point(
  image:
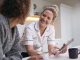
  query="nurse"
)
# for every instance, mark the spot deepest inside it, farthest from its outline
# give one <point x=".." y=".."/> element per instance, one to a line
<point x="40" y="35"/>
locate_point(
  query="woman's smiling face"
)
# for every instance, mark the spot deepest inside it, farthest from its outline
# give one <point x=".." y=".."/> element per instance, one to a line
<point x="46" y="18"/>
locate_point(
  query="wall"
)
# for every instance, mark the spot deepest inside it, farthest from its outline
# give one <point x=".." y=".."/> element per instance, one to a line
<point x="70" y="22"/>
<point x="66" y="24"/>
<point x="76" y="23"/>
<point x="40" y="4"/>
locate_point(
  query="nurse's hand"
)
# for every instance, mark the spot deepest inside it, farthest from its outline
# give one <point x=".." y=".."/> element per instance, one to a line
<point x="63" y="49"/>
<point x="56" y="51"/>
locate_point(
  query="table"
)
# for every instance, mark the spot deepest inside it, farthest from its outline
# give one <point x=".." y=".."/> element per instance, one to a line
<point x="60" y="57"/>
<point x="64" y="56"/>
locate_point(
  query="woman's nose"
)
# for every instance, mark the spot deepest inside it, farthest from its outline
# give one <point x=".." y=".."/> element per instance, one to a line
<point x="45" y="18"/>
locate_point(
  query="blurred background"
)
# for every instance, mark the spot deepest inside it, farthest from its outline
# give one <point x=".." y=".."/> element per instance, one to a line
<point x="67" y="24"/>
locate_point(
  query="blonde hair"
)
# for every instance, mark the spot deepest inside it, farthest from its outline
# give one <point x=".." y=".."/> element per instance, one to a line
<point x="54" y="9"/>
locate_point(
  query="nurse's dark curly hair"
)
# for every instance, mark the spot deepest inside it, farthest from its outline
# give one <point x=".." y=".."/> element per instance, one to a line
<point x="15" y="8"/>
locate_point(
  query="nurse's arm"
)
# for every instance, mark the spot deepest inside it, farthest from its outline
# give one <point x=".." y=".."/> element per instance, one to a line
<point x="52" y="49"/>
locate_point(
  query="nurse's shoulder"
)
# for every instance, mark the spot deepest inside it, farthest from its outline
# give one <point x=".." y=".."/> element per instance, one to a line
<point x="30" y="26"/>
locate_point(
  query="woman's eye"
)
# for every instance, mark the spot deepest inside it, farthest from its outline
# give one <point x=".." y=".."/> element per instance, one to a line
<point x="44" y="15"/>
<point x="49" y="18"/>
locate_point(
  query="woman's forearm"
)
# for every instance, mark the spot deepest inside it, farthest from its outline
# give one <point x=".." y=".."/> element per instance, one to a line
<point x="31" y="51"/>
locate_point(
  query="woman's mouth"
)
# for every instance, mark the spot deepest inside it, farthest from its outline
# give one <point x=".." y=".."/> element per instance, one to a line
<point x="43" y="21"/>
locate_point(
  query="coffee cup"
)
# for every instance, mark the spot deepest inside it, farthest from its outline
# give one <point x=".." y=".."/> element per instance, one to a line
<point x="73" y="53"/>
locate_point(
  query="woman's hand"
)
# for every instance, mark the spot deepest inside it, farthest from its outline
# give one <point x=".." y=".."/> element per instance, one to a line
<point x="37" y="57"/>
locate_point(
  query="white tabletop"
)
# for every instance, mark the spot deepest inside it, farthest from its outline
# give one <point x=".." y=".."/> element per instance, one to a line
<point x="64" y="56"/>
<point x="60" y="57"/>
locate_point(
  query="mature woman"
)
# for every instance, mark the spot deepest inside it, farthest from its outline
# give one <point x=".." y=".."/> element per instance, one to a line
<point x="12" y="12"/>
<point x="40" y="35"/>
